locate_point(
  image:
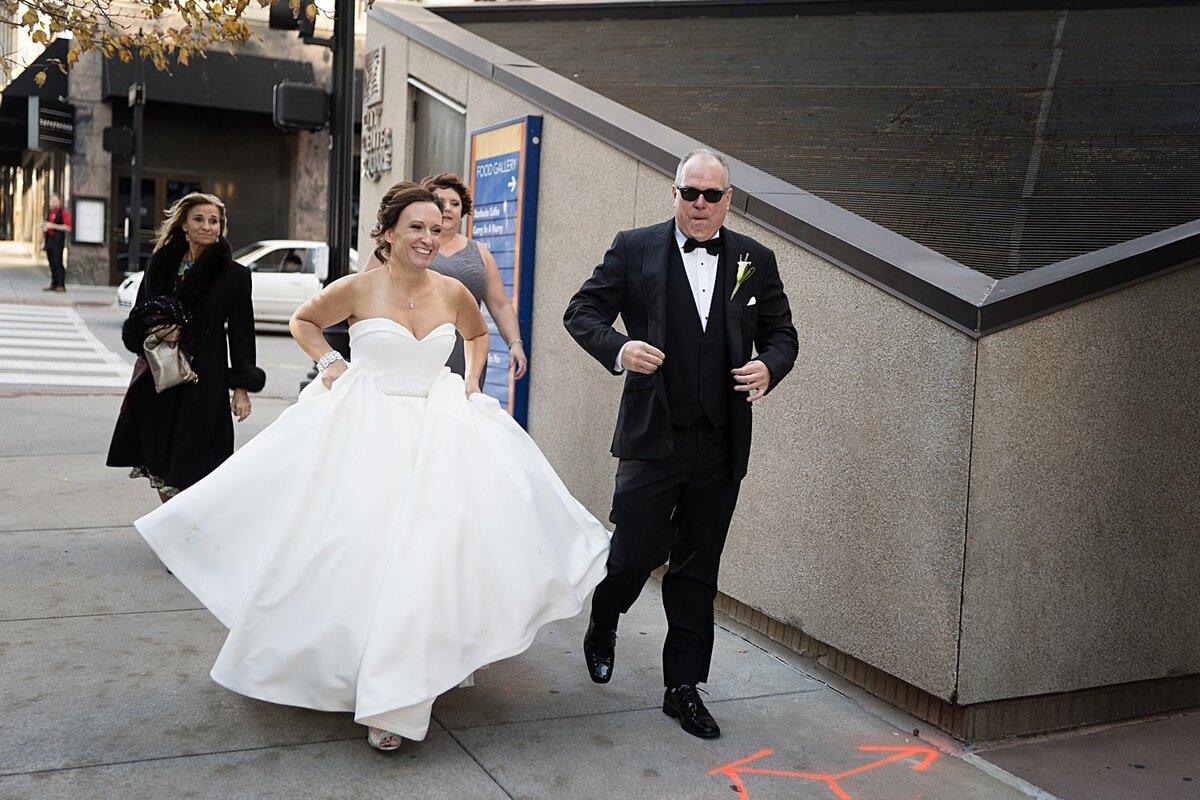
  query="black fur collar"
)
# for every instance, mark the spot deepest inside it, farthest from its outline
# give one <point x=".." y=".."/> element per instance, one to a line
<point x="164" y="267"/>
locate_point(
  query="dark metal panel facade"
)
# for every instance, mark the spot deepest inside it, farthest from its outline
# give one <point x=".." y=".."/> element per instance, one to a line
<point x="980" y="205"/>
<point x="1007" y="140"/>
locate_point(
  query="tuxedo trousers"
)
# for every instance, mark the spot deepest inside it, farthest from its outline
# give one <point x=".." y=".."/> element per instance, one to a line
<point x="674" y="510"/>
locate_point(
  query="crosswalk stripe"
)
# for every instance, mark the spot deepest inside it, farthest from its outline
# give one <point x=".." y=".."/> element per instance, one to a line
<point x="54" y="347"/>
<point x="28" y="334"/>
<point x="61" y="353"/>
<point x="31" y="312"/>
<point x="57" y="344"/>
<point x="36" y="379"/>
<point x="39" y="324"/>
<point x="63" y="366"/>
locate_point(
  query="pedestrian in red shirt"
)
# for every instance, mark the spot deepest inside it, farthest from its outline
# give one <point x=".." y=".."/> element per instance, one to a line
<point x="58" y="222"/>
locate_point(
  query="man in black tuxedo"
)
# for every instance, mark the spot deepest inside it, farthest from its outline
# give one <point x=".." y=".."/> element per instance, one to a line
<point x="694" y="297"/>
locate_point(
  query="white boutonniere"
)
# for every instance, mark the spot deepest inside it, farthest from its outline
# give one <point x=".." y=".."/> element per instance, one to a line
<point x="745" y="270"/>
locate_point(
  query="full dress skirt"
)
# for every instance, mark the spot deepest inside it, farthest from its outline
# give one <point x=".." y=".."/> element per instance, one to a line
<point x="380" y="541"/>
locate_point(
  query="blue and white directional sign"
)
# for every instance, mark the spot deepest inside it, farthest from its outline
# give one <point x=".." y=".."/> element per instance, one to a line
<point x="504" y="186"/>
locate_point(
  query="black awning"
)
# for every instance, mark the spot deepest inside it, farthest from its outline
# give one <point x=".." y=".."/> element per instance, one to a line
<point x="55" y="87"/>
<point x="52" y="100"/>
<point x="218" y="80"/>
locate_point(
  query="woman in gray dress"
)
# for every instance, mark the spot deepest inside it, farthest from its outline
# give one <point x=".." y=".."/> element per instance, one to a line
<point x="472" y="264"/>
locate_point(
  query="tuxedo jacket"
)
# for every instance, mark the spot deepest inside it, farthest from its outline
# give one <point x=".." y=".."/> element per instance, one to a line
<point x="631" y="282"/>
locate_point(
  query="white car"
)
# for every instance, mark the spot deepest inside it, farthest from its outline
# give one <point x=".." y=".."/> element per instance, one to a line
<point x="284" y="273"/>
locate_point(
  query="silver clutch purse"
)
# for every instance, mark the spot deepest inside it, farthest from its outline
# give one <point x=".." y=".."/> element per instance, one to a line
<point x="169" y="364"/>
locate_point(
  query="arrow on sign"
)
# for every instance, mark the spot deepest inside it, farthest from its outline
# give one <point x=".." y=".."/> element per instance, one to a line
<point x="735" y="769"/>
<point x="512" y="184"/>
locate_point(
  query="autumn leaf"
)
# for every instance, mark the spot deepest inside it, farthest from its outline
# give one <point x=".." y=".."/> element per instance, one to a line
<point x="162" y="32"/>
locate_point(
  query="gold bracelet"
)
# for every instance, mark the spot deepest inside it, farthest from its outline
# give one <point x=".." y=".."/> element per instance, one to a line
<point x="515" y="341"/>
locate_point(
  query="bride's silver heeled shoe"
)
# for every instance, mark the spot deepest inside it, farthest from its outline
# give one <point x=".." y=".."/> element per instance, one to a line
<point x="383" y="740"/>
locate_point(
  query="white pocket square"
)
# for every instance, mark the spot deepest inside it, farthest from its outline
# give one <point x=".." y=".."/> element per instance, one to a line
<point x="753" y="300"/>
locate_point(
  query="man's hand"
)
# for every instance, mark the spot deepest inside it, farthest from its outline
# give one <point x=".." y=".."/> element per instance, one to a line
<point x="641" y="357"/>
<point x="754" y="378"/>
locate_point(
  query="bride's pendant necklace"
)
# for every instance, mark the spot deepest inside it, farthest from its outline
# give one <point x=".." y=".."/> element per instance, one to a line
<point x="412" y="300"/>
<point x="412" y="303"/>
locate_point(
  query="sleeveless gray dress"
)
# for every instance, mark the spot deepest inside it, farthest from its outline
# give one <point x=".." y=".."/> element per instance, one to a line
<point x="467" y="266"/>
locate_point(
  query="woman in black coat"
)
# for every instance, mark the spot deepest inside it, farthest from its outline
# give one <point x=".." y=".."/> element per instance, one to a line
<point x="179" y="436"/>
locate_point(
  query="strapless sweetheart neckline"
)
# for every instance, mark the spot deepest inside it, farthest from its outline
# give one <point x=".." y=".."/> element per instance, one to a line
<point x="403" y="327"/>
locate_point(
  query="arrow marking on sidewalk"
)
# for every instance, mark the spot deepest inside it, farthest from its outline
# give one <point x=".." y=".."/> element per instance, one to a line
<point x="735" y="769"/>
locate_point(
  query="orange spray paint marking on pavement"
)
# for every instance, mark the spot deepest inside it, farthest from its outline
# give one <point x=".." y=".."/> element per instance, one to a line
<point x="735" y="769"/>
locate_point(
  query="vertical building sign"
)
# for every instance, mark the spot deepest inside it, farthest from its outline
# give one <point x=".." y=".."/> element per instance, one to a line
<point x="504" y="186"/>
<point x="376" y="141"/>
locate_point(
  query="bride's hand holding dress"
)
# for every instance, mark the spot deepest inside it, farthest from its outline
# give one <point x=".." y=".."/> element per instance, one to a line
<point x="332" y="372"/>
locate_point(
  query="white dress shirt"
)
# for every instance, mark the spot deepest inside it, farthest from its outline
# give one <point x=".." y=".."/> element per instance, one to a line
<point x="701" y="269"/>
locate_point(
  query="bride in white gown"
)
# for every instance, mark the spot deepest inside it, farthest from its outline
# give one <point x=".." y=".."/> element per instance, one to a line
<point x="394" y="530"/>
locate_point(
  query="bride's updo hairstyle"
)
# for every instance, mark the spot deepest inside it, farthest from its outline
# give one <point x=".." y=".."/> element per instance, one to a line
<point x="391" y="206"/>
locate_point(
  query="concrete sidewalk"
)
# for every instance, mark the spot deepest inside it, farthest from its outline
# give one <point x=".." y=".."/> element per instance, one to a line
<point x="24" y="274"/>
<point x="104" y="688"/>
<point x="104" y="663"/>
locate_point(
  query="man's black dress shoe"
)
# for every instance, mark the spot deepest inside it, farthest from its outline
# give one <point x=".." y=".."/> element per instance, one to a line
<point x="684" y="703"/>
<point x="599" y="651"/>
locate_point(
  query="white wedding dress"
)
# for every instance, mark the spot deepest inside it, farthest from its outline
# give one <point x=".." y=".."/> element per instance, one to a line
<point x="381" y="540"/>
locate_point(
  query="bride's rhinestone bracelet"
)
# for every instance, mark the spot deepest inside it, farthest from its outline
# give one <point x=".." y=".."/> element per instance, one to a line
<point x="327" y="359"/>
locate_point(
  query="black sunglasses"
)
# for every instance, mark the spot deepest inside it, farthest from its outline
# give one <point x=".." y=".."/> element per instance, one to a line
<point x="690" y="194"/>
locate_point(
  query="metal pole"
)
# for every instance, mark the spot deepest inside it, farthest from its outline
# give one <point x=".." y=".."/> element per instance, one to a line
<point x="137" y="99"/>
<point x="341" y="129"/>
<point x="341" y="164"/>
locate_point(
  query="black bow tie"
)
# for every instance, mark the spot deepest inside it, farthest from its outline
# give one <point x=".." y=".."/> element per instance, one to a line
<point x="713" y="245"/>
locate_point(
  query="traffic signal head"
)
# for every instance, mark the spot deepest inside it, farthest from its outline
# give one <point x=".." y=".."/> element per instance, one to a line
<point x="302" y="19"/>
<point x="300" y="106"/>
<point x="118" y="141"/>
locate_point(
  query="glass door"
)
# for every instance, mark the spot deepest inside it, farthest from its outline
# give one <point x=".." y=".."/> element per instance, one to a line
<point x="121" y="233"/>
<point x="159" y="193"/>
<point x="175" y="189"/>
